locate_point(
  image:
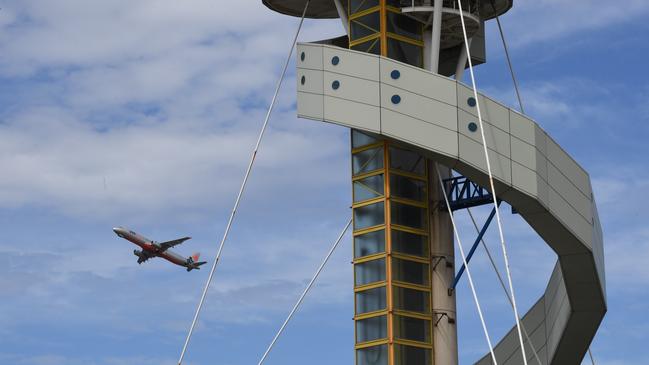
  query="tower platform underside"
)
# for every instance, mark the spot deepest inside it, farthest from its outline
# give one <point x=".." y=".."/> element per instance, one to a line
<point x="326" y="9"/>
<point x="436" y="117"/>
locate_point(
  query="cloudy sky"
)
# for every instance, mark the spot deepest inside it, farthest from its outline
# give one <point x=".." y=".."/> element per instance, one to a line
<point x="143" y="113"/>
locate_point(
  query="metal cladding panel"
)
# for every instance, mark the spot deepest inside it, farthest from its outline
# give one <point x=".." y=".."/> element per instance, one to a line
<point x="425" y="135"/>
<point x="580" y="273"/>
<point x="310" y="106"/>
<point x="522" y="127"/>
<point x="598" y="248"/>
<point x="351" y="88"/>
<point x="352" y="114"/>
<point x="497" y="139"/>
<point x="310" y="81"/>
<point x="552" y="193"/>
<point x="530" y="182"/>
<point x="312" y="58"/>
<point x="570" y="193"/>
<point x="526" y="130"/>
<point x="568" y="167"/>
<point x="410" y="78"/>
<point x="528" y="156"/>
<point x="571" y="218"/>
<point x="508" y="349"/>
<point x="357" y="64"/>
<point x="556" y="321"/>
<point x="472" y="152"/>
<point x="418" y="107"/>
<point x="491" y="111"/>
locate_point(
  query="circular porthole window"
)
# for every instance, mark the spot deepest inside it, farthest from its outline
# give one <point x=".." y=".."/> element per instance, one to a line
<point x="473" y="127"/>
<point x="395" y="74"/>
<point x="335" y="60"/>
<point x="396" y="99"/>
<point x="471" y="101"/>
<point x="335" y="85"/>
<point x="303" y="80"/>
<point x="302" y="56"/>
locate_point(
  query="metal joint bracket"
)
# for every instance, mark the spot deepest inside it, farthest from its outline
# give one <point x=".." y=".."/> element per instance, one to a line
<point x="441" y="315"/>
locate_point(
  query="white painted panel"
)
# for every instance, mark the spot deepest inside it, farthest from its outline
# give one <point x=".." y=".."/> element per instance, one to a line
<point x="313" y="81"/>
<point x="310" y="106"/>
<point x="492" y="111"/>
<point x="352" y="88"/>
<point x="562" y="161"/>
<point x="312" y="56"/>
<point x="472" y="153"/>
<point x="496" y="138"/>
<point x="522" y="127"/>
<point x="357" y="64"/>
<point x="419" y="107"/>
<point x="528" y="181"/>
<point x="419" y="133"/>
<point x="524" y="153"/>
<point x="352" y="114"/>
<point x="571" y="218"/>
<point x="570" y="193"/>
<point x="419" y="81"/>
<point x="541" y="140"/>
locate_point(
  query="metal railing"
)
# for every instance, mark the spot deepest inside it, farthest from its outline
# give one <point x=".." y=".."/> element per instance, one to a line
<point x="470" y="6"/>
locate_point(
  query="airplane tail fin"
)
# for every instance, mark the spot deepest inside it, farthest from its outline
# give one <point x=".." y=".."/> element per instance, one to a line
<point x="194" y="263"/>
<point x="196" y="256"/>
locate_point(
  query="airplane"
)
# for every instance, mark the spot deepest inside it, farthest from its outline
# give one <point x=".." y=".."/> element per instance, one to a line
<point x="159" y="249"/>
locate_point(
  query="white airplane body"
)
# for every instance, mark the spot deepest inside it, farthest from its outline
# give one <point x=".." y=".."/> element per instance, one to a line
<point x="152" y="249"/>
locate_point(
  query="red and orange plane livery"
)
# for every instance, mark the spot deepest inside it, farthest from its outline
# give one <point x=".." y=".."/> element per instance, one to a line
<point x="159" y="249"/>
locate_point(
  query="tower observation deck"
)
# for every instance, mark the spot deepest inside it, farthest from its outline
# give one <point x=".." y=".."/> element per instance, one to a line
<point x="388" y="80"/>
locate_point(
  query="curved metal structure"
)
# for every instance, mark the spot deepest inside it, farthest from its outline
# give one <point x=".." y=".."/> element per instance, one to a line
<point x="436" y="115"/>
<point x="326" y="9"/>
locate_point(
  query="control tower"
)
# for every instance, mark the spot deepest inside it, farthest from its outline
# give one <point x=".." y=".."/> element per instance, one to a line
<point x="393" y="79"/>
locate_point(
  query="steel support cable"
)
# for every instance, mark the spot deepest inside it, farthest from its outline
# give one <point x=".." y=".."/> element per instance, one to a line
<point x="491" y="183"/>
<point x="520" y="104"/>
<point x="304" y="293"/>
<point x="509" y="60"/>
<point x="590" y="353"/>
<point x="466" y="265"/>
<point x="241" y="189"/>
<point x="502" y="284"/>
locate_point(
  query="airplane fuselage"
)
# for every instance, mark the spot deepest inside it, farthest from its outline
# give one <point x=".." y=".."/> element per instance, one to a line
<point x="150" y="248"/>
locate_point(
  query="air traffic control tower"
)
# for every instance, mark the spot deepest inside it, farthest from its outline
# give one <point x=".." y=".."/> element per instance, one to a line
<point x="394" y="80"/>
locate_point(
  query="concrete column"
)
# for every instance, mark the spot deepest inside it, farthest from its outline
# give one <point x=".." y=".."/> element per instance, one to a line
<point x="445" y="351"/>
<point x="461" y="62"/>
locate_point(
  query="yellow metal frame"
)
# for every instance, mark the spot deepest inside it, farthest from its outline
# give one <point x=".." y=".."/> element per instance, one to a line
<point x="382" y="33"/>
<point x="388" y="255"/>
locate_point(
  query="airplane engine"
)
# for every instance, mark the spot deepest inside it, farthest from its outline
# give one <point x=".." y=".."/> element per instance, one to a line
<point x="137" y="253"/>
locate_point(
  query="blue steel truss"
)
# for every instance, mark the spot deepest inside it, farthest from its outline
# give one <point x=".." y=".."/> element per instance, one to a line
<point x="464" y="193"/>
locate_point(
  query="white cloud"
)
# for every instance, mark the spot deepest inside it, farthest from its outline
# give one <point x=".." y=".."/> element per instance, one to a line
<point x="531" y="22"/>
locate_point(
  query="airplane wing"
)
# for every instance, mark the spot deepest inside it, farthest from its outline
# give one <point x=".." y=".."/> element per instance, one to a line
<point x="142" y="256"/>
<point x="164" y="246"/>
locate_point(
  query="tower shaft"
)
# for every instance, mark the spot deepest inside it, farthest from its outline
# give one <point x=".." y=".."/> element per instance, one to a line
<point x="403" y="264"/>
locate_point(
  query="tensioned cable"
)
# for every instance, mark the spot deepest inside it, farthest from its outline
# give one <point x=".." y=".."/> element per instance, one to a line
<point x="520" y="104"/>
<point x="491" y="182"/>
<point x="502" y="284"/>
<point x="590" y="353"/>
<point x="241" y="189"/>
<point x="509" y="60"/>
<point x="304" y="293"/>
<point x="466" y="265"/>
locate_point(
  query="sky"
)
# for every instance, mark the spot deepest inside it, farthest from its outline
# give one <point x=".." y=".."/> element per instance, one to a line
<point x="144" y="113"/>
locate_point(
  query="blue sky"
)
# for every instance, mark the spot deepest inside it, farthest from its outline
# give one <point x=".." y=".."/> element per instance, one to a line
<point x="143" y="114"/>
